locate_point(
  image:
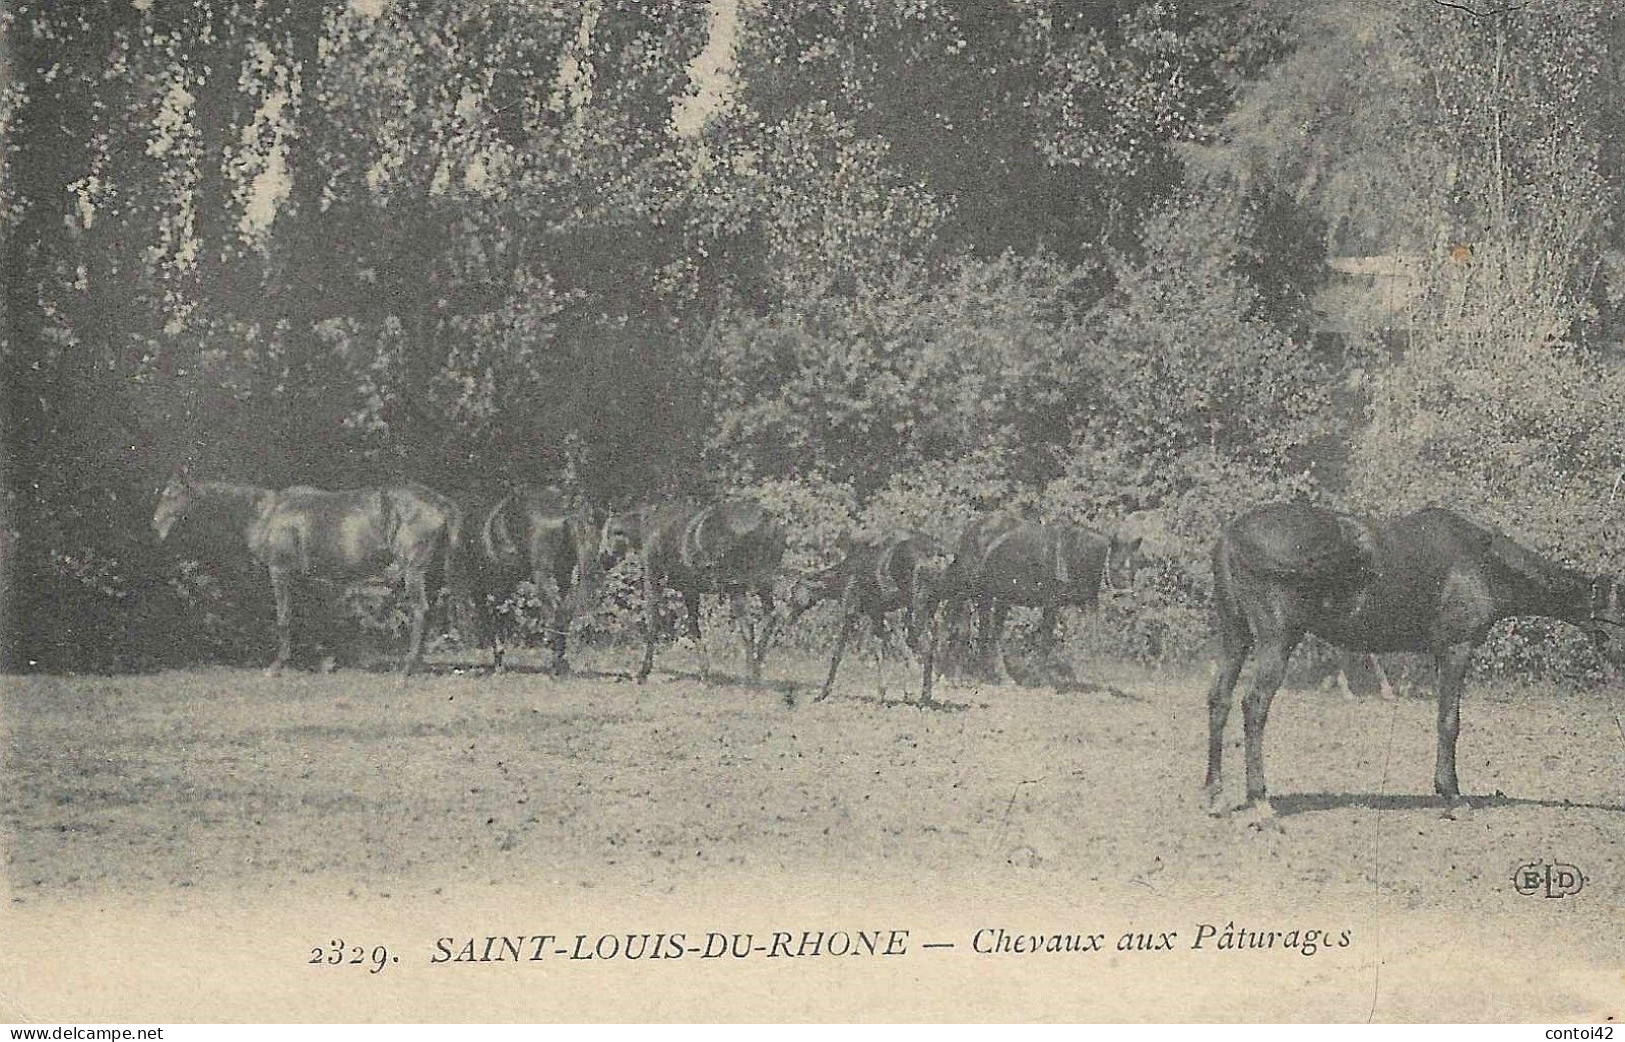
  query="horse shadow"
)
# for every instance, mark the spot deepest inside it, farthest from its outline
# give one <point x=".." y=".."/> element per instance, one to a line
<point x="1057" y="674"/>
<point x="526" y="669"/>
<point x="936" y="705"/>
<point x="717" y="678"/>
<point x="1311" y="802"/>
<point x="1090" y="687"/>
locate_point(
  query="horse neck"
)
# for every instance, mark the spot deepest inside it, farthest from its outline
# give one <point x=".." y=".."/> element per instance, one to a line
<point x="634" y="525"/>
<point x="1558" y="594"/>
<point x="1574" y="605"/>
<point x="237" y="504"/>
<point x="826" y="584"/>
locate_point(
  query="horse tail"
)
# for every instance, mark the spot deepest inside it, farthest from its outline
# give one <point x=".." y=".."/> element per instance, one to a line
<point x="1234" y="631"/>
<point x="884" y="579"/>
<point x="690" y="545"/>
<point x="1063" y="551"/>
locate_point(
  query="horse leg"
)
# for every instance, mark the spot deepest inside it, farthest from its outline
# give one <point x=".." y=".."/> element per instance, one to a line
<point x="1452" y="662"/>
<point x="1047" y="639"/>
<point x="561" y="630"/>
<point x="691" y="607"/>
<point x="1273" y="653"/>
<point x="877" y="627"/>
<point x="282" y="592"/>
<point x="1219" y="697"/>
<point x="769" y="627"/>
<point x="848" y="620"/>
<point x="1001" y="613"/>
<point x="739" y="605"/>
<point x="417" y="587"/>
<point x="651" y="621"/>
<point x="1385" y="689"/>
<point x="1236" y="640"/>
<point x="928" y="658"/>
<point x="982" y="636"/>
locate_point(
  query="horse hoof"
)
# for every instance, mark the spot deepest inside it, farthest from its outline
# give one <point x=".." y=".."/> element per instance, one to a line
<point x="1260" y="816"/>
<point x="274" y="669"/>
<point x="561" y="668"/>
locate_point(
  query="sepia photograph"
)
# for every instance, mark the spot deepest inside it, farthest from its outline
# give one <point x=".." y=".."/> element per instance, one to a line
<point x="812" y="511"/>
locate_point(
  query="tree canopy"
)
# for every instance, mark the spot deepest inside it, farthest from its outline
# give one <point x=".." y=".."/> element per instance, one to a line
<point x="910" y="257"/>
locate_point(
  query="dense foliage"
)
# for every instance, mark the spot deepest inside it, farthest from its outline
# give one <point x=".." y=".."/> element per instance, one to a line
<point x="884" y="262"/>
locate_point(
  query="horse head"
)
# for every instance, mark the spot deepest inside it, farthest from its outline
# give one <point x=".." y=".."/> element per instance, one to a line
<point x="621" y="534"/>
<point x="1123" y="559"/>
<point x="804" y="593"/>
<point x="1605" y="617"/>
<point x="174" y="501"/>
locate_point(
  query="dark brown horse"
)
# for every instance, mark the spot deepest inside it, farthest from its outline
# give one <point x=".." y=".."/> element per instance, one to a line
<point x="732" y="548"/>
<point x="539" y="534"/>
<point x="1003" y="561"/>
<point x="899" y="571"/>
<point x="1429" y="581"/>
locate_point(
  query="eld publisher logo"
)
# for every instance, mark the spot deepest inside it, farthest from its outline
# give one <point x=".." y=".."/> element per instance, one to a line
<point x="1548" y="879"/>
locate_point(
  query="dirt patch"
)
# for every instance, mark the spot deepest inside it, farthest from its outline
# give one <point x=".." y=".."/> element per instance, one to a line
<point x="227" y="786"/>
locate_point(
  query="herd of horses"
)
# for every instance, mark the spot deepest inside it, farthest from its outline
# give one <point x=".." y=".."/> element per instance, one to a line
<point x="1430" y="581"/>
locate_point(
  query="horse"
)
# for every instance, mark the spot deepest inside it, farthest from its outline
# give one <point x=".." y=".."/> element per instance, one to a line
<point x="300" y="532"/>
<point x="1002" y="561"/>
<point x="395" y="533"/>
<point x="539" y="534"/>
<point x="897" y="571"/>
<point x="1428" y="581"/>
<point x="731" y="547"/>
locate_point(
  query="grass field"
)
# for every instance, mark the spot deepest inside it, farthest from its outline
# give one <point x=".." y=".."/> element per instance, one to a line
<point x="216" y="788"/>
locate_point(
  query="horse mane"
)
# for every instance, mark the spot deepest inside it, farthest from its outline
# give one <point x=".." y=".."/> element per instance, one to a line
<point x="248" y="501"/>
<point x="233" y="490"/>
<point x="1528" y="563"/>
<point x="1517" y="558"/>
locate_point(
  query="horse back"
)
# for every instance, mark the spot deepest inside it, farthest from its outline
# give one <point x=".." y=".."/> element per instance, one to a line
<point x="330" y="533"/>
<point x="1039" y="563"/>
<point x="1299" y="542"/>
<point x="729" y="541"/>
<point x="356" y="531"/>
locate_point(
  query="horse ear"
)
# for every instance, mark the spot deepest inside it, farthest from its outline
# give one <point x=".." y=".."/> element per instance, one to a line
<point x="1134" y="544"/>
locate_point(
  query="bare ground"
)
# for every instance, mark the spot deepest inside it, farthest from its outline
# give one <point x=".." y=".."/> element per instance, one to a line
<point x="222" y="793"/>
